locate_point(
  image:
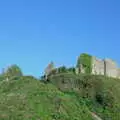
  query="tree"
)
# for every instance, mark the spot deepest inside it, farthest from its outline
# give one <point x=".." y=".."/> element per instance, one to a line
<point x="13" y="71"/>
<point x="85" y="61"/>
<point x="72" y="69"/>
<point x="62" y="69"/>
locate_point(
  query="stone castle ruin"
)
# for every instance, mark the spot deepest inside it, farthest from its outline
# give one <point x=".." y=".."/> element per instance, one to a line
<point x="91" y="65"/>
<point x="105" y="67"/>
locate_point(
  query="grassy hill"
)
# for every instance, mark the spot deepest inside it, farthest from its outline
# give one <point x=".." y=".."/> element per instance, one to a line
<point x="99" y="93"/>
<point x="25" y="98"/>
<point x="65" y="96"/>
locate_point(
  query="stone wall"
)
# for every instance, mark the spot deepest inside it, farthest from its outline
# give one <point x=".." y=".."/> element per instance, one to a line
<point x="111" y="68"/>
<point x="106" y="67"/>
<point x="118" y="75"/>
<point x="98" y="66"/>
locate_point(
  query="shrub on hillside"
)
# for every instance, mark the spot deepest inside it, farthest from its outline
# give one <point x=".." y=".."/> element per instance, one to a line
<point x="86" y="61"/>
<point x="72" y="69"/>
<point x="13" y="71"/>
<point x="62" y="69"/>
<point x="105" y="98"/>
<point x="90" y="85"/>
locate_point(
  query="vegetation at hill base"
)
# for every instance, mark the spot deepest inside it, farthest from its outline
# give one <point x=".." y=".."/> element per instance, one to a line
<point x="64" y="96"/>
<point x="99" y="93"/>
<point x="26" y="98"/>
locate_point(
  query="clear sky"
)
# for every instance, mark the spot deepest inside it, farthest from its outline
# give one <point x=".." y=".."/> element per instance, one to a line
<point x="34" y="32"/>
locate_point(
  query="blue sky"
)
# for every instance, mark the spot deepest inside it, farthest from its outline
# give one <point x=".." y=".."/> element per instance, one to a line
<point x="35" y="32"/>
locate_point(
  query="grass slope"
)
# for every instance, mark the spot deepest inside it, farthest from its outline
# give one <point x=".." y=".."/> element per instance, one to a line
<point x="25" y="98"/>
<point x="65" y="97"/>
<point x="101" y="94"/>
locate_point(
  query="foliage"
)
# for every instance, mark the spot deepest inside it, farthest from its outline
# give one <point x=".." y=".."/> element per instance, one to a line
<point x="85" y="60"/>
<point x="2" y="77"/>
<point x="72" y="69"/>
<point x="53" y="72"/>
<point x="30" y="99"/>
<point x="12" y="71"/>
<point x="99" y="93"/>
<point x="62" y="69"/>
<point x="105" y="98"/>
<point x="66" y="96"/>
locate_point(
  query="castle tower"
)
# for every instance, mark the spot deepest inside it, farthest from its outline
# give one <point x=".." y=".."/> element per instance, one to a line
<point x="48" y="69"/>
<point x="111" y="68"/>
<point x="98" y="66"/>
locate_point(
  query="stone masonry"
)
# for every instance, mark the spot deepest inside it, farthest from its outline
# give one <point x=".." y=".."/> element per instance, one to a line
<point x="98" y="66"/>
<point x="106" y="67"/>
<point x="111" y="68"/>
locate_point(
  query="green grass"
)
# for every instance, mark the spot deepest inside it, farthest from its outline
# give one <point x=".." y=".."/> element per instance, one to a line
<point x="65" y="97"/>
<point x="90" y="86"/>
<point x="29" y="99"/>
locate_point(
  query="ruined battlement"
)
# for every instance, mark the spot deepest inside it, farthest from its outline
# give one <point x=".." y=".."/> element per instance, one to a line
<point x="98" y="66"/>
<point x="106" y="67"/>
<point x="91" y="65"/>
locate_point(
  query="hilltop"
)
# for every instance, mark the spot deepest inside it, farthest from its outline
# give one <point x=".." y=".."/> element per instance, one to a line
<point x="89" y="64"/>
<point x="60" y="94"/>
<point x="64" y="97"/>
<point x="26" y="98"/>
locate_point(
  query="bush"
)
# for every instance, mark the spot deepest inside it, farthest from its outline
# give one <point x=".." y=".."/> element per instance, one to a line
<point x="12" y="71"/>
<point x="62" y="69"/>
<point x="105" y="99"/>
<point x="86" y="61"/>
<point x="72" y="69"/>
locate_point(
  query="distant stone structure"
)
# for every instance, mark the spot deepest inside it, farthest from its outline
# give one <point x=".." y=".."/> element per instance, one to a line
<point x="111" y="68"/>
<point x="105" y="67"/>
<point x="98" y="66"/>
<point x="90" y="65"/>
<point x="49" y="69"/>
